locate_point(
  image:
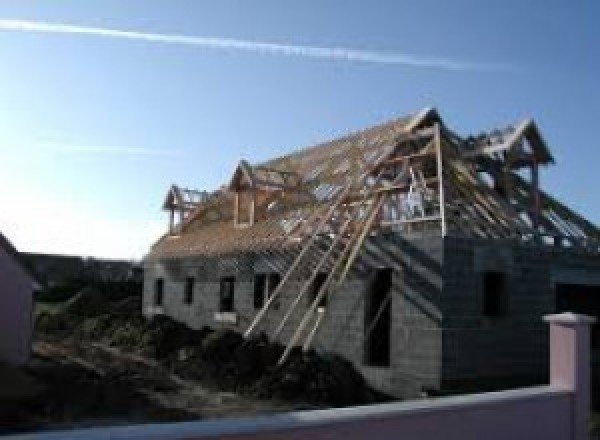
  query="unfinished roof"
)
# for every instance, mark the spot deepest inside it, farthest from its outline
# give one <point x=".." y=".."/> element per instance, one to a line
<point x="432" y="181"/>
<point x="183" y="198"/>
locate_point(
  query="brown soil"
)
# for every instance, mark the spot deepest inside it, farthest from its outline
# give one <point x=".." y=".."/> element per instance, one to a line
<point x="98" y="361"/>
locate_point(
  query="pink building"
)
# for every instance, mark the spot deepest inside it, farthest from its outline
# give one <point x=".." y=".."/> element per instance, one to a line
<point x="16" y="306"/>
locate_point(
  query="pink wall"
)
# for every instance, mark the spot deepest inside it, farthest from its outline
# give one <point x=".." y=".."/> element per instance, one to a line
<point x="559" y="411"/>
<point x="531" y="414"/>
<point x="16" y="302"/>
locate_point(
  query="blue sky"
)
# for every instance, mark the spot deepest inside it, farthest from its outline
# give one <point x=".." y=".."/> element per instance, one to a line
<point x="94" y="128"/>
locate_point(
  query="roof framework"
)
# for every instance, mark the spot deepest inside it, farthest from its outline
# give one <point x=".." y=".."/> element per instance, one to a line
<point x="488" y="187"/>
<point x="411" y="175"/>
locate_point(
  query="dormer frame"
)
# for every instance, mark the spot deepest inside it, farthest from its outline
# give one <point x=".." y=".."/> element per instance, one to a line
<point x="243" y="185"/>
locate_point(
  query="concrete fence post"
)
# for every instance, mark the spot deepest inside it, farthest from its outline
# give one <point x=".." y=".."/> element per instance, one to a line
<point x="570" y="364"/>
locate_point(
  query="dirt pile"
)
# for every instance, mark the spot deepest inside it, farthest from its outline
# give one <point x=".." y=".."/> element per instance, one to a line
<point x="222" y="360"/>
<point x="248" y="367"/>
<point x="330" y="379"/>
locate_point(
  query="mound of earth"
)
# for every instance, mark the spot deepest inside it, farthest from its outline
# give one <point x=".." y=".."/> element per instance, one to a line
<point x="222" y="360"/>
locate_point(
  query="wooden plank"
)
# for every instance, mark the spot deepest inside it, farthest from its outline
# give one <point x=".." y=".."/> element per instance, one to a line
<point x="311" y="279"/>
<point x="466" y="194"/>
<point x="382" y="307"/>
<point x="398" y="187"/>
<point x="295" y="264"/>
<point x="439" y="163"/>
<point x="308" y="314"/>
<point x="429" y="218"/>
<point x="408" y="157"/>
<point x="329" y="279"/>
<point x="311" y="335"/>
<point x="365" y="230"/>
<point x="492" y="206"/>
<point x="547" y="201"/>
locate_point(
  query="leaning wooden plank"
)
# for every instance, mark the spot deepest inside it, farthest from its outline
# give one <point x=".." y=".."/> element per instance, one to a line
<point x="365" y="230"/>
<point x="325" y="286"/>
<point x="311" y="279"/>
<point x="295" y="264"/>
<point x="313" y="306"/>
<point x="380" y="311"/>
<point x="314" y="330"/>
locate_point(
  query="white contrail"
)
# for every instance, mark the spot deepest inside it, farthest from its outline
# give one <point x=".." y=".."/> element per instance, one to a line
<point x="329" y="53"/>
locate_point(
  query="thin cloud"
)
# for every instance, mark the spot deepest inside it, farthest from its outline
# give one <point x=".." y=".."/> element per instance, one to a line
<point x="218" y="43"/>
<point x="107" y="150"/>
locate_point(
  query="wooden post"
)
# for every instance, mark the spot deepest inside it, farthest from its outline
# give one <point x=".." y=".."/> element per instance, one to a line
<point x="252" y="207"/>
<point x="297" y="261"/>
<point x="311" y="279"/>
<point x="438" y="147"/>
<point x="535" y="194"/>
<point x="236" y="208"/>
<point x="172" y="221"/>
<point x="366" y="228"/>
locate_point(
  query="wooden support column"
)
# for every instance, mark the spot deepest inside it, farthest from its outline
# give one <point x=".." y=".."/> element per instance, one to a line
<point x="252" y="207"/>
<point x="535" y="194"/>
<point x="236" y="208"/>
<point x="438" y="148"/>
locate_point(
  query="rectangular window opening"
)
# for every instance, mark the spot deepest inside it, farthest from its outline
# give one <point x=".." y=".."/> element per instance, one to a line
<point x="159" y="284"/>
<point x="378" y="314"/>
<point x="495" y="295"/>
<point x="274" y="280"/>
<point x="188" y="296"/>
<point x="259" y="290"/>
<point x="226" y="293"/>
<point x="314" y="290"/>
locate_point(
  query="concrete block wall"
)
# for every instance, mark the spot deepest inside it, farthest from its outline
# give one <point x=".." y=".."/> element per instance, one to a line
<point x="439" y="336"/>
<point x="415" y="341"/>
<point x="476" y="347"/>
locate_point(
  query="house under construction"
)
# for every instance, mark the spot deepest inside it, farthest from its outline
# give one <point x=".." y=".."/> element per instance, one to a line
<point x="417" y="254"/>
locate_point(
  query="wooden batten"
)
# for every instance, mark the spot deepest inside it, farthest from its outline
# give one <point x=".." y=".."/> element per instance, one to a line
<point x="440" y="173"/>
<point x="244" y="208"/>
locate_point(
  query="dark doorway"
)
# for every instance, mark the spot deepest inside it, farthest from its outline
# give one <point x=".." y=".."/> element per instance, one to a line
<point x="159" y="285"/>
<point x="584" y="299"/>
<point x="188" y="297"/>
<point x="260" y="281"/>
<point x="378" y="316"/>
<point x="315" y="288"/>
<point x="226" y="294"/>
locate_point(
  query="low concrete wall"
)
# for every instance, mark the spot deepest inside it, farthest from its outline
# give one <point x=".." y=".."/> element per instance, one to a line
<point x="557" y="411"/>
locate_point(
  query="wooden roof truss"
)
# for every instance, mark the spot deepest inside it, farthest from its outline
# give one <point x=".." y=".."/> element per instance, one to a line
<point x="410" y="178"/>
<point x="424" y="182"/>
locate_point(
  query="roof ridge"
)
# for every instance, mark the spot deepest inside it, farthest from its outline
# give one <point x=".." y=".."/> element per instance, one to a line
<point x="407" y="118"/>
